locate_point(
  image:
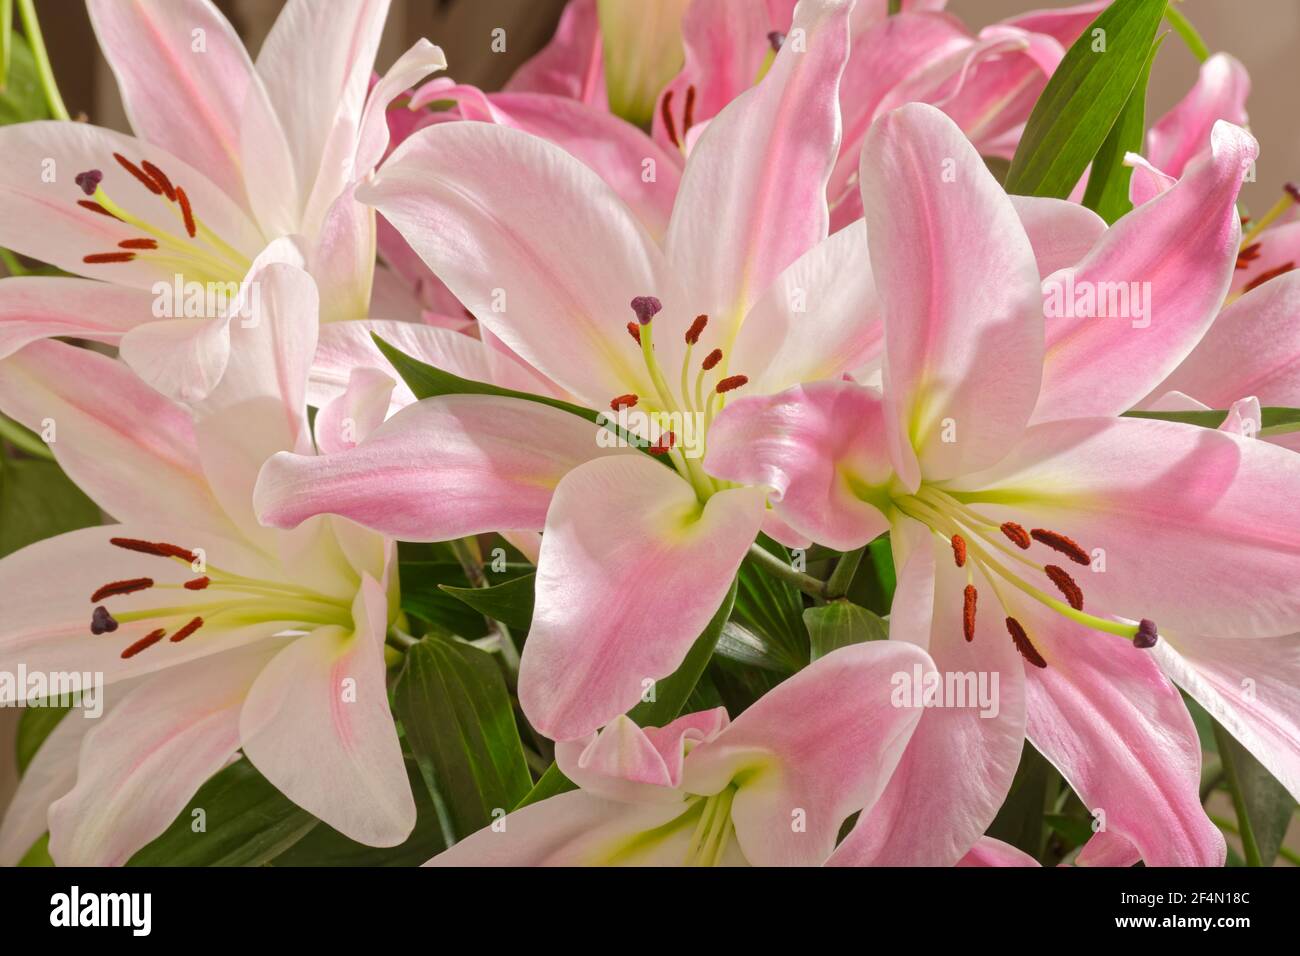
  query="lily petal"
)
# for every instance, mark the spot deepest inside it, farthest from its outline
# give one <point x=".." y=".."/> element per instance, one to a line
<point x="1061" y="232"/>
<point x="991" y="852"/>
<point x="1219" y="93"/>
<point x="571" y="64"/>
<point x="356" y="413"/>
<point x="38" y="307"/>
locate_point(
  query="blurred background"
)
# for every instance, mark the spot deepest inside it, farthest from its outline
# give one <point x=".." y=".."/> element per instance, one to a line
<point x="1263" y="34"/>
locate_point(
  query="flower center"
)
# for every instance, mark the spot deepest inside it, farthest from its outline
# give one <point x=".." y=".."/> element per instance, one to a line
<point x="242" y="601"/>
<point x="199" y="253"/>
<point x="977" y="542"/>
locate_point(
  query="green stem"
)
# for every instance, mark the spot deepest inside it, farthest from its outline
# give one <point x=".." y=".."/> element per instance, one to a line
<point x="1183" y="27"/>
<point x="779" y="569"/>
<point x="1227" y="826"/>
<point x="837" y="585"/>
<point x="1249" y="847"/>
<point x="471" y="559"/>
<point x="400" y="639"/>
<point x="32" y="31"/>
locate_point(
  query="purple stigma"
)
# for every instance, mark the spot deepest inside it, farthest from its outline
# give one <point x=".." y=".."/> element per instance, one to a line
<point x="646" y="308"/>
<point x="101" y="621"/>
<point x="1146" y="636"/>
<point x="89" y="181"/>
<point x="1292" y="190"/>
<point x="776" y="38"/>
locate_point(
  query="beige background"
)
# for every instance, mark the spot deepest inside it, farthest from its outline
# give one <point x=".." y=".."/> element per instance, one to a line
<point x="1263" y="34"/>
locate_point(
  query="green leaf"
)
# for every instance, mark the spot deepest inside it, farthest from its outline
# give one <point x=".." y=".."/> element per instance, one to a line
<point x="767" y="627"/>
<point x="34" y="725"/>
<point x="247" y="823"/>
<point x="6" y="41"/>
<point x="1108" y="182"/>
<point x="21" y="98"/>
<point x="1264" y="807"/>
<point x="511" y="603"/>
<point x="671" y="695"/>
<point x="38" y="501"/>
<point x="873" y="585"/>
<point x="1082" y="100"/>
<point x="39" y="854"/>
<point x="1073" y="831"/>
<point x="423" y="597"/>
<point x="456" y="712"/>
<point x="1183" y="27"/>
<point x="1274" y="420"/>
<point x="1020" y="821"/>
<point x="839" y="624"/>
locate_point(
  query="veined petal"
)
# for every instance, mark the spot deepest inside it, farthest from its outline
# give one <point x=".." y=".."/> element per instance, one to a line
<point x="547" y="256"/>
<point x="412" y="66"/>
<point x="819" y="318"/>
<point x="815" y="749"/>
<point x="960" y="295"/>
<point x="38" y="307"/>
<point x="343" y="260"/>
<point x="448" y="467"/>
<point x="820" y="448"/>
<point x="1060" y="232"/>
<point x="316" y="723"/>
<point x="1147" y="182"/>
<point x="1181" y="560"/>
<point x="1249" y="687"/>
<point x="571" y="64"/>
<point x="753" y="196"/>
<point x="990" y="852"/>
<point x="356" y="413"/>
<point x="1063" y="24"/>
<point x="642" y="46"/>
<point x="632" y="568"/>
<point x="142" y="762"/>
<point x="1155" y="281"/>
<point x="1219" y="93"/>
<point x="961" y="760"/>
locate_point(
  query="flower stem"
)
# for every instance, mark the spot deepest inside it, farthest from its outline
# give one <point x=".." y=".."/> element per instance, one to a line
<point x="471" y="559"/>
<point x="779" y="569"/>
<point x="1183" y="27"/>
<point x="32" y="32"/>
<point x="837" y="585"/>
<point x="1249" y="846"/>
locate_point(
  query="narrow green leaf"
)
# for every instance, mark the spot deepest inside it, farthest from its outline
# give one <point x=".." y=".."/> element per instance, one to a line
<point x="34" y="725"/>
<point x="873" y="585"/>
<point x="38" y="501"/>
<point x="1264" y="807"/>
<point x="1108" y="182"/>
<point x="670" y="697"/>
<point x="6" y="40"/>
<point x="839" y="624"/>
<point x="1082" y="100"/>
<point x="246" y="822"/>
<point x="460" y="725"/>
<point x="768" y="628"/>
<point x="511" y="603"/>
<point x="21" y="98"/>
<point x="1183" y="27"/>
<point x="423" y="597"/>
<point x="1271" y="417"/>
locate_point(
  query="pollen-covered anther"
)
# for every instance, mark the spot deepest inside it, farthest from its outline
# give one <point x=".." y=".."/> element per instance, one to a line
<point x="730" y="383"/>
<point x="688" y="111"/>
<point x="1018" y="535"/>
<point x="198" y="584"/>
<point x="634" y="330"/>
<point x="1023" y="644"/>
<point x="1147" y="635"/>
<point x="101" y="622"/>
<point x="149" y="640"/>
<point x="712" y="359"/>
<point x="1066" y="585"/>
<point x="186" y="212"/>
<point x="959" y="550"/>
<point x="187" y="630"/>
<point x="138" y="244"/>
<point x="646" y="308"/>
<point x="1059" y="542"/>
<point x="103" y="258"/>
<point x="145" y="179"/>
<point x="95" y="207"/>
<point x="663" y="444"/>
<point x="1263" y="277"/>
<point x="128" y="586"/>
<point x="89" y="181"/>
<point x="159" y="549"/>
<point x="159" y="177"/>
<point x="666" y="114"/>
<point x="970" y="598"/>
<point x="697" y="327"/>
<point x="623" y="401"/>
<point x="1248" y="255"/>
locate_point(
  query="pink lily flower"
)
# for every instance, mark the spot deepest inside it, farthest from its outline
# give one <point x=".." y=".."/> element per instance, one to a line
<point x="229" y="158"/>
<point x="771" y="788"/>
<point x="994" y="458"/>
<point x="635" y="557"/>
<point x="230" y="635"/>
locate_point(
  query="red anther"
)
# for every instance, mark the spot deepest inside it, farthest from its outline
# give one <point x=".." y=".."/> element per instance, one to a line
<point x="1067" y="586"/>
<point x="712" y="359"/>
<point x="121" y="587"/>
<point x="1023" y="644"/>
<point x="634" y="330"/>
<point x="623" y="401"/>
<point x="1263" y="277"/>
<point x="664" y="444"/>
<point x="959" y="550"/>
<point x="137" y="244"/>
<point x="95" y="207"/>
<point x="100" y="258"/>
<point x="1018" y="535"/>
<point x="666" y="114"/>
<point x="969" y="598"/>
<point x="145" y="179"/>
<point x="149" y="640"/>
<point x="158" y="176"/>
<point x="1248" y="255"/>
<point x="688" y="111"/>
<point x="1059" y="542"/>
<point x="187" y="630"/>
<point x="186" y="211"/>
<point x="730" y="383"/>
<point x="693" y="333"/>
<point x="159" y="549"/>
<point x="198" y="584"/>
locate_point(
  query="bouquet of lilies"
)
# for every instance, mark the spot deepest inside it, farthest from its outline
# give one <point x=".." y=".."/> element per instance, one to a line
<point x="763" y="433"/>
